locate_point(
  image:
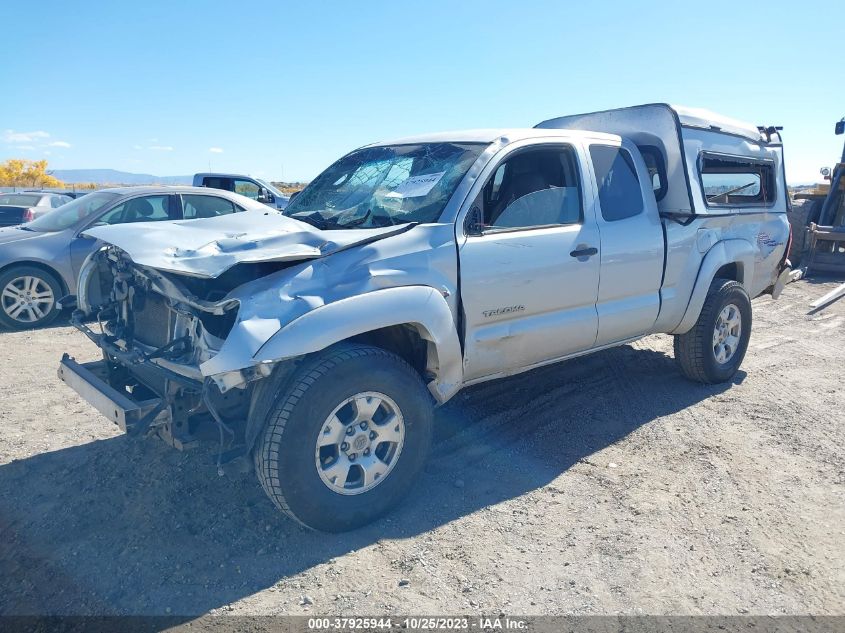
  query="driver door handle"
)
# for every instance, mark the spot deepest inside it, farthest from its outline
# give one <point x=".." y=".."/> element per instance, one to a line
<point x="584" y="252"/>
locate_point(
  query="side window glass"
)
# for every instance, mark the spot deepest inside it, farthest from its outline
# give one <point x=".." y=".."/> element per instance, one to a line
<point x="205" y="206"/>
<point x="218" y="183"/>
<point x="734" y="182"/>
<point x="656" y="167"/>
<point x="247" y="188"/>
<point x="620" y="195"/>
<point x="498" y="177"/>
<point x="534" y="188"/>
<point x="146" y="209"/>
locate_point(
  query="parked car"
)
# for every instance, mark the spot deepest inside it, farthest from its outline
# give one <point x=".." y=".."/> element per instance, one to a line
<point x="75" y="194"/>
<point x="40" y="261"/>
<point x="25" y="206"/>
<point x="248" y="186"/>
<point x="314" y="343"/>
<point x="70" y="194"/>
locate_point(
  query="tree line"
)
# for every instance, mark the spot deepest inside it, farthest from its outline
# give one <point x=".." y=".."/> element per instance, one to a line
<point x="17" y="172"/>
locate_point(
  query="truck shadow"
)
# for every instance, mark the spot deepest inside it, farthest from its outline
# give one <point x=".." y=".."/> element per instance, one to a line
<point x="122" y="526"/>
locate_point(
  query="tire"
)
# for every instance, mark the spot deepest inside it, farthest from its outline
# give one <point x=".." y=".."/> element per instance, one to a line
<point x="697" y="351"/>
<point x="14" y="283"/>
<point x="298" y="475"/>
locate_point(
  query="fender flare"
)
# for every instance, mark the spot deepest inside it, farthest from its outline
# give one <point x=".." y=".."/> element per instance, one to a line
<point x="421" y="307"/>
<point x="735" y="251"/>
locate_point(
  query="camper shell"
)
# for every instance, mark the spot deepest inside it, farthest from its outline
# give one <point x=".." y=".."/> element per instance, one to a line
<point x="679" y="144"/>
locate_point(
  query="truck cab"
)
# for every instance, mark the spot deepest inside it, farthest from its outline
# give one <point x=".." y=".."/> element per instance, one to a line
<point x="258" y="190"/>
<point x="314" y="343"/>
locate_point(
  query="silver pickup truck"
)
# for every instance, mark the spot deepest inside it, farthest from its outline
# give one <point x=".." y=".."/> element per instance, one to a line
<point x="315" y="343"/>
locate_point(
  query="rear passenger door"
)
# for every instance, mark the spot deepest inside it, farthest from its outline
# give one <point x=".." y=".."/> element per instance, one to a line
<point x="631" y="243"/>
<point x="195" y="206"/>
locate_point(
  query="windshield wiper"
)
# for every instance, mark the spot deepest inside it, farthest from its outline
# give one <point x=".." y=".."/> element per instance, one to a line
<point x="312" y="218"/>
<point x="323" y="223"/>
<point x="359" y="221"/>
<point x="729" y="192"/>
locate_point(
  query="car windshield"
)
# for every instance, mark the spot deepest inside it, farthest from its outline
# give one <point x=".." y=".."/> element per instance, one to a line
<point x="385" y="185"/>
<point x="69" y="214"/>
<point x="18" y="200"/>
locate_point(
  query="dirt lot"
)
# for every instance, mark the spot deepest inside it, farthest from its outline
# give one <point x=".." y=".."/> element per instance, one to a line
<point x="607" y="484"/>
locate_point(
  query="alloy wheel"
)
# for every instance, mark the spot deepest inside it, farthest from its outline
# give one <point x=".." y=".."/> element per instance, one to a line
<point x="360" y="443"/>
<point x="27" y="299"/>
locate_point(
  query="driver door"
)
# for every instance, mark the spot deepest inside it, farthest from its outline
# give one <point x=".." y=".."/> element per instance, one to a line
<point x="530" y="264"/>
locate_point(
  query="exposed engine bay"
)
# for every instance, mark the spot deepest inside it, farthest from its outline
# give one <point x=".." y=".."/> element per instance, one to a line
<point x="155" y="329"/>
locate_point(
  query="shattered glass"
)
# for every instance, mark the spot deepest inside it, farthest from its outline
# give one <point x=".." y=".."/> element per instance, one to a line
<point x="385" y="185"/>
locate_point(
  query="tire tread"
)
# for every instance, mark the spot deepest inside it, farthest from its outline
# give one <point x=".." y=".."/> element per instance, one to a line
<point x="691" y="346"/>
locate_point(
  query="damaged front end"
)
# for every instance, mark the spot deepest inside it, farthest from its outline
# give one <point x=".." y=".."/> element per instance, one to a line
<point x="200" y="326"/>
<point x="155" y="330"/>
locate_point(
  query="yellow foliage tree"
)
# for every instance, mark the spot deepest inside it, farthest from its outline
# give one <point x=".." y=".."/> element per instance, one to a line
<point x="17" y="172"/>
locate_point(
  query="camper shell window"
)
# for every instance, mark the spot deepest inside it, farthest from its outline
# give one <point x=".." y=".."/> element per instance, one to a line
<point x="736" y="181"/>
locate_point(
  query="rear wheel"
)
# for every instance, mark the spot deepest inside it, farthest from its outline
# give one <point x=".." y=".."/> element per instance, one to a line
<point x="28" y="297"/>
<point x="712" y="351"/>
<point x="347" y="438"/>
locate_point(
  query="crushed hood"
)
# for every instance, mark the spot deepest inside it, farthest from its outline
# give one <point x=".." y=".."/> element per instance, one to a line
<point x="209" y="247"/>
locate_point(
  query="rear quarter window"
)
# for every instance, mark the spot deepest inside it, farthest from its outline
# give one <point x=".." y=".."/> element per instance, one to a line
<point x="656" y="166"/>
<point x="620" y="195"/>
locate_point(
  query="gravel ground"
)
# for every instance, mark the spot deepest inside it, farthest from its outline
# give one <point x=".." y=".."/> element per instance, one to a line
<point x="605" y="485"/>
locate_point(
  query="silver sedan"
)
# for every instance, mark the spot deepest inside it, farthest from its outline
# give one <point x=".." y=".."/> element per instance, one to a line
<point x="40" y="260"/>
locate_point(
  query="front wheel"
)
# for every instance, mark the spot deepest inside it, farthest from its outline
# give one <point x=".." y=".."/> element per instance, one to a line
<point x="345" y="441"/>
<point x="712" y="351"/>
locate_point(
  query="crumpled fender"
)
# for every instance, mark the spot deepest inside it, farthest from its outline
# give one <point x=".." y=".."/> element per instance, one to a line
<point x="736" y="251"/>
<point x="421" y="307"/>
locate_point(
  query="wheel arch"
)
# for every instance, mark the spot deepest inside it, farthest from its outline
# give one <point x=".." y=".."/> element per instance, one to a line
<point x="401" y="320"/>
<point x="40" y="265"/>
<point x="728" y="259"/>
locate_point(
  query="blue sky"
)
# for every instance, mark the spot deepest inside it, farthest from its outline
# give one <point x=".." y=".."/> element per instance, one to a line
<point x="281" y="89"/>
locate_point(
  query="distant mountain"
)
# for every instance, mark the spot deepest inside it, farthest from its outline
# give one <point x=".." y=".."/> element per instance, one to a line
<point x="114" y="177"/>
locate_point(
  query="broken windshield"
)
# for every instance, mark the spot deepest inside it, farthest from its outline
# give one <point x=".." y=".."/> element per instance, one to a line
<point x="385" y="185"/>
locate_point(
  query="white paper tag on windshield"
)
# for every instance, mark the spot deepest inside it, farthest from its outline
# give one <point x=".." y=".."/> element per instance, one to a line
<point x="416" y="186"/>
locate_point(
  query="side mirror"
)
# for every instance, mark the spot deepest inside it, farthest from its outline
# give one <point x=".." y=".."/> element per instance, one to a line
<point x="265" y="197"/>
<point x="474" y="224"/>
<point x="840" y="127"/>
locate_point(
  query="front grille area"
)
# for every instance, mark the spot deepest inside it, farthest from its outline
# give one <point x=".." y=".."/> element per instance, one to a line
<point x="153" y="321"/>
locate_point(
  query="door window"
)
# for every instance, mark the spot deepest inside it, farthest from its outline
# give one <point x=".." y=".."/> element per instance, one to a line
<point x="533" y="188"/>
<point x="194" y="206"/>
<point x="247" y="188"/>
<point x="145" y="209"/>
<point x="620" y="195"/>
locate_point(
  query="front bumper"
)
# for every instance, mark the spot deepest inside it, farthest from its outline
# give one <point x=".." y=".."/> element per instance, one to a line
<point x="90" y="381"/>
